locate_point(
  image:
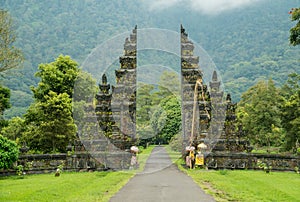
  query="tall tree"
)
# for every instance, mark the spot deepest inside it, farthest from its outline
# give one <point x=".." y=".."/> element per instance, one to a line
<point x="58" y="76"/>
<point x="50" y="125"/>
<point x="291" y="110"/>
<point x="10" y="56"/>
<point x="55" y="127"/>
<point x="295" y="31"/>
<point x="260" y="114"/>
<point x="291" y="121"/>
<point x="158" y="110"/>
<point x="166" y="119"/>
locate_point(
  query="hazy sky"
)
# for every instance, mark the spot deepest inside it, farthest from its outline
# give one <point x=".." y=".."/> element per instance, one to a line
<point x="203" y="6"/>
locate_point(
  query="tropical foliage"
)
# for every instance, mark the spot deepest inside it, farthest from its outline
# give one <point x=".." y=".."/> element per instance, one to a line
<point x="291" y="111"/>
<point x="14" y="129"/>
<point x="270" y="115"/>
<point x="8" y="152"/>
<point x="49" y="122"/>
<point x="259" y="111"/>
<point x="158" y="110"/>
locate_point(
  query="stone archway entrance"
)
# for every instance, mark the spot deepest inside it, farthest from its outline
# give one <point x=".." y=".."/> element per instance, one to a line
<point x="203" y="111"/>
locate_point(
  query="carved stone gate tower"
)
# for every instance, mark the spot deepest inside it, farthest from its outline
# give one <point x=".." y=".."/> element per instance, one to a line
<point x="190" y="75"/>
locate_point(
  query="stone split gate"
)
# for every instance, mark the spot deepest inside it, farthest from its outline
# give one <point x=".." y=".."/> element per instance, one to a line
<point x="206" y="117"/>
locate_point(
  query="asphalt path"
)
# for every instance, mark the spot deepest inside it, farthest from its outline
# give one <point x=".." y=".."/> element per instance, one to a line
<point x="161" y="181"/>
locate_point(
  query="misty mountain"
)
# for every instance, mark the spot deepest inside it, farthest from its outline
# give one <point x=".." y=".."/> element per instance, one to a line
<point x="247" y="42"/>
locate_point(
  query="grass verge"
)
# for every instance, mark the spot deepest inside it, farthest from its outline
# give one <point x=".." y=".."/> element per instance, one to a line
<point x="245" y="185"/>
<point x="93" y="186"/>
<point x="85" y="186"/>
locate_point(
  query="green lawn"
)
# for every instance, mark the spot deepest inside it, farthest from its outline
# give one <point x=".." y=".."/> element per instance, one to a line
<point x="96" y="186"/>
<point x="245" y="185"/>
<point x="93" y="186"/>
<point x="237" y="185"/>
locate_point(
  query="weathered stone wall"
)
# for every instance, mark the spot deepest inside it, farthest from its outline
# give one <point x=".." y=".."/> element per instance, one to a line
<point x="47" y="163"/>
<point x="250" y="161"/>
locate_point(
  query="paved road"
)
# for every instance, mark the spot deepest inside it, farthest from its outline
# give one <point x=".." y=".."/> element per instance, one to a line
<point x="161" y="181"/>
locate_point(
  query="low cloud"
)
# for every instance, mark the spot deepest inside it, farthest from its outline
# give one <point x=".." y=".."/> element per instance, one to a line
<point x="204" y="6"/>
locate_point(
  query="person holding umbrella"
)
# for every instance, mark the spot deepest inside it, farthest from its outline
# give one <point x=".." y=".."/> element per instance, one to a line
<point x="190" y="158"/>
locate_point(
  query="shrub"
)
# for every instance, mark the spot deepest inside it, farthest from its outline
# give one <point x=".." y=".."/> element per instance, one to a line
<point x="19" y="170"/>
<point x="8" y="152"/>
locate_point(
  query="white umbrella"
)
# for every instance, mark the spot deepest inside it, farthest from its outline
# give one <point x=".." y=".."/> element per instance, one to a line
<point x="190" y="148"/>
<point x="134" y="149"/>
<point x="202" y="146"/>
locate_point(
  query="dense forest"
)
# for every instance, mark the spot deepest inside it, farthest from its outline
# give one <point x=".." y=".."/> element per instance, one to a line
<point x="247" y="44"/>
